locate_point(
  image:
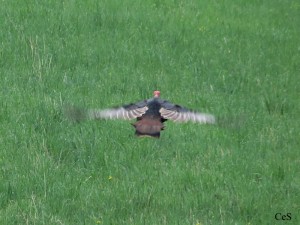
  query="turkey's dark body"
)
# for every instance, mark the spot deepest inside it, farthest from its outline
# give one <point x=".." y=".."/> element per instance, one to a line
<point x="151" y="123"/>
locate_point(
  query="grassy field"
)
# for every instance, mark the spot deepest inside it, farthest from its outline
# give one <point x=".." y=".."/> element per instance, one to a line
<point x="239" y="60"/>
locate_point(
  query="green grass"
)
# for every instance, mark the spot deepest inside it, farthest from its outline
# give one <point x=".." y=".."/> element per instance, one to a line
<point x="236" y="59"/>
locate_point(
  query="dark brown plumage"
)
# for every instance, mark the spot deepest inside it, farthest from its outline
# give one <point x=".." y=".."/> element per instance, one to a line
<point x="151" y="115"/>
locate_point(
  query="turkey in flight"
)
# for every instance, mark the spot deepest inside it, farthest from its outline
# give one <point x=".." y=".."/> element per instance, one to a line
<point x="151" y="114"/>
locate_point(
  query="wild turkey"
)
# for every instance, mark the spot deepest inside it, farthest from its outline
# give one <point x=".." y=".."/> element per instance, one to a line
<point x="150" y="114"/>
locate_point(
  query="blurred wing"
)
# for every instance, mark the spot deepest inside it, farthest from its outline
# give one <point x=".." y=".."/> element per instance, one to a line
<point x="178" y="113"/>
<point x="126" y="112"/>
<point x="74" y="113"/>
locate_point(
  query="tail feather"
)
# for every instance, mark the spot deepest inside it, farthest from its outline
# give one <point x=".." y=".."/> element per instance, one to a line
<point x="148" y="127"/>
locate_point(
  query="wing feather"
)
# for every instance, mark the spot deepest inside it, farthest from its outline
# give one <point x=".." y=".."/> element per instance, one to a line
<point x="178" y="113"/>
<point x="117" y="113"/>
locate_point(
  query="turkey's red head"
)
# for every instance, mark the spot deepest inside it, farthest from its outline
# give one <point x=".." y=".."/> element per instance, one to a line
<point x="156" y="94"/>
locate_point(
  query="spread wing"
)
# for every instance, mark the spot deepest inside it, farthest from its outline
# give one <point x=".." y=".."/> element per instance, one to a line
<point x="126" y="112"/>
<point x="179" y="113"/>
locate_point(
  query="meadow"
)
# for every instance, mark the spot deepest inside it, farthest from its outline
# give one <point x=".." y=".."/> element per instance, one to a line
<point x="238" y="60"/>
